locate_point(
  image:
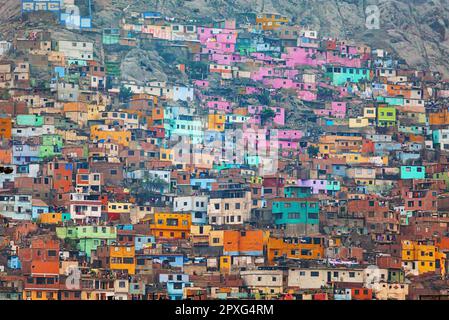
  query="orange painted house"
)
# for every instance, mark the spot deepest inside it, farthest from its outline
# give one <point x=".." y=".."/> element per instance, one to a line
<point x="439" y="118"/>
<point x="295" y="248"/>
<point x="361" y="294"/>
<point x="62" y="176"/>
<point x="5" y="128"/>
<point x="5" y="156"/>
<point x="245" y="242"/>
<point x="41" y="263"/>
<point x="171" y="225"/>
<point x="398" y="90"/>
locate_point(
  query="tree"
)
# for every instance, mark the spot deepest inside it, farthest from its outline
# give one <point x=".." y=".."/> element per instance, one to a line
<point x="266" y="115"/>
<point x="4" y="95"/>
<point x="313" y="151"/>
<point x="146" y="188"/>
<point x="197" y="70"/>
<point x="264" y="98"/>
<point x="125" y="94"/>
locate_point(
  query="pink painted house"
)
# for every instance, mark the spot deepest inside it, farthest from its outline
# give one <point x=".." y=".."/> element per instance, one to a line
<point x="322" y="112"/>
<point x="307" y="95"/>
<point x="338" y="109"/>
<point x="205" y="33"/>
<point x="226" y="38"/>
<point x="262" y="72"/>
<point x="289" y="134"/>
<point x="213" y="46"/>
<point x="201" y="83"/>
<point x="343" y="92"/>
<point x="221" y="105"/>
<point x="225" y="58"/>
<point x="297" y="56"/>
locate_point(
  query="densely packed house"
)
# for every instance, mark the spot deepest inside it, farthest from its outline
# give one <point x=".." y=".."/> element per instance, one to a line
<point x="272" y="162"/>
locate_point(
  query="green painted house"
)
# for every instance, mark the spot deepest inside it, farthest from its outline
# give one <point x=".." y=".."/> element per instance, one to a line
<point x="111" y="36"/>
<point x="87" y="238"/>
<point x="442" y="176"/>
<point x="113" y="68"/>
<point x="386" y="116"/>
<point x="245" y="45"/>
<point x="77" y="62"/>
<point x="51" y="145"/>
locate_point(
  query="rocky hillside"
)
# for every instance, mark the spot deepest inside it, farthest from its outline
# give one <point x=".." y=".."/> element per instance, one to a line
<point x="417" y="30"/>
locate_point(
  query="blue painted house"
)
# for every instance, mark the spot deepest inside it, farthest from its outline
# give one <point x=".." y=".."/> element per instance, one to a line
<point x="413" y="172"/>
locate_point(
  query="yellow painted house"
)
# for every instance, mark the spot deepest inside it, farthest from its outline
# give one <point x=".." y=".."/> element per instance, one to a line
<point x="358" y="122"/>
<point x="225" y="264"/>
<point x="419" y="258"/>
<point x="216" y="238"/>
<point x="171" y="225"/>
<point x="166" y="154"/>
<point x="94" y="110"/>
<point x="98" y="132"/>
<point x="119" y="207"/>
<point x="50" y="218"/>
<point x="216" y="122"/>
<point x="122" y="258"/>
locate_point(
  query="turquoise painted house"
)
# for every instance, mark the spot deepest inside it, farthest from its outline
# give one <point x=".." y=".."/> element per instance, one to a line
<point x="297" y="211"/>
<point x="111" y="36"/>
<point x="391" y="101"/>
<point x="29" y="120"/>
<point x="185" y="126"/>
<point x="413" y="172"/>
<point x="341" y="75"/>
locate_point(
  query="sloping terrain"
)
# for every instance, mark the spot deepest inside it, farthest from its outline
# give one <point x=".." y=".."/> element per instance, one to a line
<point x="417" y="30"/>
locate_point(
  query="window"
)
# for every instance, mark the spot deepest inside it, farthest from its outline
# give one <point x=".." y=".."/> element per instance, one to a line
<point x="51" y="253"/>
<point x="128" y="260"/>
<point x="177" y="285"/>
